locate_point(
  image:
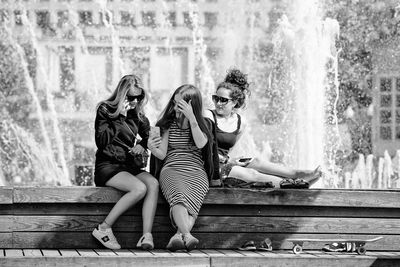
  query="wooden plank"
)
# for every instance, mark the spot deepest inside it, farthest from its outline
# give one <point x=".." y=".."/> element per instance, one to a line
<point x="32" y="253"/>
<point x="142" y="253"/>
<point x="87" y="253"/>
<point x="213" y="224"/>
<point x="283" y="260"/>
<point x="124" y="253"/>
<point x="51" y="253"/>
<point x="207" y="240"/>
<point x="161" y="253"/>
<point x="206" y="210"/>
<point x="74" y="194"/>
<point x="105" y="252"/>
<point x="6" y="240"/>
<point x="14" y="253"/>
<point x="306" y="197"/>
<point x="6" y="223"/>
<point x="69" y="253"/>
<point x="213" y="253"/>
<point x="236" y="196"/>
<point x="6" y="195"/>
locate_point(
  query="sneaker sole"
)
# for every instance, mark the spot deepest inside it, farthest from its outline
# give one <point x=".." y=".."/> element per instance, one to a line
<point x="146" y="246"/>
<point x="192" y="244"/>
<point x="101" y="242"/>
<point x="176" y="245"/>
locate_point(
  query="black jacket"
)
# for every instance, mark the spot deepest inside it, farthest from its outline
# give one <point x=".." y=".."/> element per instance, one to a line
<point x="210" y="157"/>
<point x="114" y="136"/>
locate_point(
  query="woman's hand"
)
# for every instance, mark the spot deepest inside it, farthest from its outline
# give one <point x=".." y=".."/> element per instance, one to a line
<point x="153" y="142"/>
<point x="186" y="109"/>
<point x="126" y="107"/>
<point x="138" y="149"/>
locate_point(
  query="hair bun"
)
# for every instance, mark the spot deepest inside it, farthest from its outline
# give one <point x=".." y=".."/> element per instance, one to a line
<point x="238" y="78"/>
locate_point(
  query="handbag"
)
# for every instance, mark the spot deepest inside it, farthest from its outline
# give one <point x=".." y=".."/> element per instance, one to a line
<point x="140" y="160"/>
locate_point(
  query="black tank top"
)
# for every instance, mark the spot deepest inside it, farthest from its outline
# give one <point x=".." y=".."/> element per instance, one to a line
<point x="226" y="140"/>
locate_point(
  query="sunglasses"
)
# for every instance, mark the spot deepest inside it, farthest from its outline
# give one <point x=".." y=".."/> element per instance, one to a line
<point x="222" y="100"/>
<point x="132" y="98"/>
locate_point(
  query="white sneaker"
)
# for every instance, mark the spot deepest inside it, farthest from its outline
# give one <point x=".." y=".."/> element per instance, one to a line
<point x="145" y="242"/>
<point x="176" y="243"/>
<point x="106" y="237"/>
<point x="190" y="241"/>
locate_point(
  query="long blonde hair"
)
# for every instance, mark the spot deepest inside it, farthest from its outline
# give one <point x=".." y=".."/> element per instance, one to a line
<point x="117" y="98"/>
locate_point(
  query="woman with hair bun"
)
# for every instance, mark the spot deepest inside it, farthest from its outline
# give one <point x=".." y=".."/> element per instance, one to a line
<point x="230" y="96"/>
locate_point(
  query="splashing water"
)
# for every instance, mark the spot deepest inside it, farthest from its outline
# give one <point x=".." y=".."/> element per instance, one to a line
<point x="302" y="48"/>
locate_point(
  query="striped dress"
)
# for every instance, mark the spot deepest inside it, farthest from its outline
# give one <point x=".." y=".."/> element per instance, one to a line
<point x="183" y="179"/>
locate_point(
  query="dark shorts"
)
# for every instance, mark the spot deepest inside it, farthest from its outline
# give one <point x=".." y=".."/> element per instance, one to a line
<point x="104" y="171"/>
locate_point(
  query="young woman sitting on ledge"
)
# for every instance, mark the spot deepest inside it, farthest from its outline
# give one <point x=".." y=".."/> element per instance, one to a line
<point x="186" y="151"/>
<point x="228" y="98"/>
<point x="118" y="121"/>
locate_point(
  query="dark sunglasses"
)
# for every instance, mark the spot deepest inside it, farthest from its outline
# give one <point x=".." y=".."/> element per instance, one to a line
<point x="222" y="100"/>
<point x="132" y="98"/>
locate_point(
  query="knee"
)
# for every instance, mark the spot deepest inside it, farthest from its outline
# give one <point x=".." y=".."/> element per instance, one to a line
<point x="153" y="185"/>
<point x="139" y="190"/>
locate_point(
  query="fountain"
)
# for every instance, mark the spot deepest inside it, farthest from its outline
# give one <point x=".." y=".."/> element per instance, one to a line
<point x="79" y="50"/>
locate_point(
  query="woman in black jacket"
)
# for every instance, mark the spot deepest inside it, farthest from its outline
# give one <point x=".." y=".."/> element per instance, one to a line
<point x="119" y="121"/>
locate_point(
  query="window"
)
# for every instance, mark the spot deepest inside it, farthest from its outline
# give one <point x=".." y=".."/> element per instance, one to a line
<point x="187" y="20"/>
<point x="127" y="18"/>
<point x="210" y="19"/>
<point x="171" y="18"/>
<point x="43" y="19"/>
<point x="106" y="17"/>
<point x="67" y="69"/>
<point x="85" y="17"/>
<point x="389" y="108"/>
<point x="149" y="19"/>
<point x="18" y="17"/>
<point x="62" y="18"/>
<point x="4" y="15"/>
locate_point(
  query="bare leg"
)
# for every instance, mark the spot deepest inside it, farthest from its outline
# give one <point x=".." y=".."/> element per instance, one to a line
<point x="280" y="170"/>
<point x="252" y="175"/>
<point x="150" y="201"/>
<point x="181" y="218"/>
<point x="136" y="190"/>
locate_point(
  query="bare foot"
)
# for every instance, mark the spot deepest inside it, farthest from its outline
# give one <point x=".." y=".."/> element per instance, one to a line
<point x="313" y="177"/>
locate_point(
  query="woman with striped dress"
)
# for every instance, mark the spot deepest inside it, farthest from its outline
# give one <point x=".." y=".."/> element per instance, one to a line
<point x="184" y="147"/>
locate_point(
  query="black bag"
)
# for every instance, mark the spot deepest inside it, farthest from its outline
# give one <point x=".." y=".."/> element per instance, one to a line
<point x="140" y="160"/>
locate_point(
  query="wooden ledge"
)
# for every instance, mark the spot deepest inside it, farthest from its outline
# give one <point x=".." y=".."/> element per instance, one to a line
<point x="125" y="257"/>
<point x="232" y="196"/>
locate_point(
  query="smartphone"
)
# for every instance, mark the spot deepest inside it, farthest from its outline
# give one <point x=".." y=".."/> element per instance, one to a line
<point x="154" y="131"/>
<point x="245" y="160"/>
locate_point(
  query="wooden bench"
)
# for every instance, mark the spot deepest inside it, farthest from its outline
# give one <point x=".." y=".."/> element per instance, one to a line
<point x="63" y="217"/>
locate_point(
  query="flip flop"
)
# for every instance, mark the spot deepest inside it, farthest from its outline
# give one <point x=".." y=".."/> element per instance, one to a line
<point x="248" y="246"/>
<point x="265" y="245"/>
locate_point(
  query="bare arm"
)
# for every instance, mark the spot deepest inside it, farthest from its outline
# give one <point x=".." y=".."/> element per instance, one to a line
<point x="159" y="145"/>
<point x="200" y="138"/>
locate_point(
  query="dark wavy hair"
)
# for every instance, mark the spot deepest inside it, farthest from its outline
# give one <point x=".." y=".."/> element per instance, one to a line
<point x="188" y="92"/>
<point x="236" y="82"/>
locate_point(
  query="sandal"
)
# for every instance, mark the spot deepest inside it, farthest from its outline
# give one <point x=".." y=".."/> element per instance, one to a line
<point x="301" y="184"/>
<point x="287" y="184"/>
<point x="262" y="185"/>
<point x="265" y="245"/>
<point x="248" y="246"/>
